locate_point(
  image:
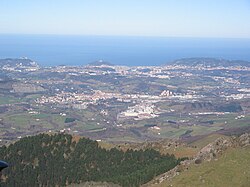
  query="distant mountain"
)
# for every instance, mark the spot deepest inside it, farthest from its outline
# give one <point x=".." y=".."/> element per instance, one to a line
<point x="17" y="62"/>
<point x="210" y="62"/>
<point x="100" y="63"/>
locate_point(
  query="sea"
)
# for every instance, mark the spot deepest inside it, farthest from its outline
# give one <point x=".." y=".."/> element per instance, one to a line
<point x="52" y="50"/>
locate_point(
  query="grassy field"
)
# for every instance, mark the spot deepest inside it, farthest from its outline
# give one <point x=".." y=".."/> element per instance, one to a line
<point x="4" y="100"/>
<point x="90" y="120"/>
<point x="24" y="120"/>
<point x="230" y="170"/>
<point x="9" y="100"/>
<point x="181" y="151"/>
<point x="206" y="140"/>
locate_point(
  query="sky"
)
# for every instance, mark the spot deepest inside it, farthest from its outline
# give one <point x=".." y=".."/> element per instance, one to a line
<point x="170" y="18"/>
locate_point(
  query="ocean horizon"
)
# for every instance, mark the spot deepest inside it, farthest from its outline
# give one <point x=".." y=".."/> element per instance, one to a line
<point x="52" y="50"/>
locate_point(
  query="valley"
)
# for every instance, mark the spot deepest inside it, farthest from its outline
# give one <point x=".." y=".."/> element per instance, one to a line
<point x="182" y="100"/>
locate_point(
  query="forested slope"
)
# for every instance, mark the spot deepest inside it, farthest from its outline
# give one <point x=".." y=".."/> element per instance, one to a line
<point x="59" y="160"/>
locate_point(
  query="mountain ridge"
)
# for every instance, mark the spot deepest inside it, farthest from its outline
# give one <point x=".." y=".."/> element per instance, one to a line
<point x="212" y="62"/>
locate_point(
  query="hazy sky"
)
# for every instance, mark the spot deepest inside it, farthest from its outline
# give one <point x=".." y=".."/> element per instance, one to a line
<point x="192" y="18"/>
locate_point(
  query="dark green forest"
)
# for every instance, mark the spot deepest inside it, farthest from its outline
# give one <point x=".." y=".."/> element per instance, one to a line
<point x="58" y="160"/>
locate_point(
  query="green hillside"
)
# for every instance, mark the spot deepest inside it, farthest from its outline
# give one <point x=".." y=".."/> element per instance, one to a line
<point x="230" y="170"/>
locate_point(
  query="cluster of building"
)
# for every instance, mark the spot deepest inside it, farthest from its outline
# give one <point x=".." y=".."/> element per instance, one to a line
<point x="143" y="104"/>
<point x="65" y="98"/>
<point x="141" y="111"/>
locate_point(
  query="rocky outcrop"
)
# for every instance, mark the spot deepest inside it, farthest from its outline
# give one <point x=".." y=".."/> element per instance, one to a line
<point x="244" y="140"/>
<point x="210" y="152"/>
<point x="213" y="150"/>
<point x="220" y="145"/>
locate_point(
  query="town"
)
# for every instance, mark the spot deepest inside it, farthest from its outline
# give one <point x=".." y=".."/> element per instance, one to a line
<point x="182" y="99"/>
